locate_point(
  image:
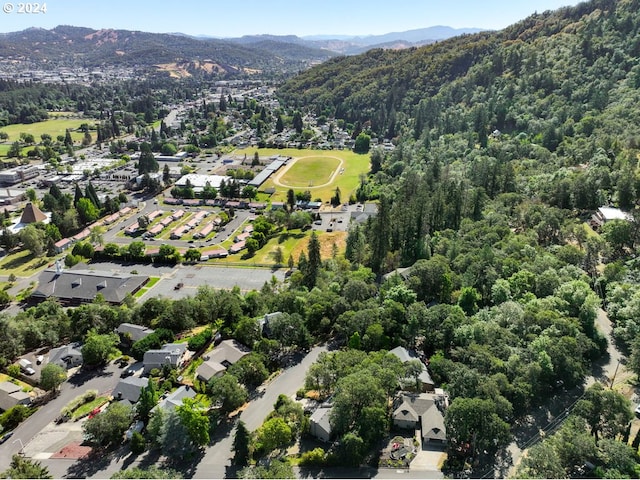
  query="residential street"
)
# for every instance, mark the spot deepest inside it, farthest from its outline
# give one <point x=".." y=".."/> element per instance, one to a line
<point x="101" y="380"/>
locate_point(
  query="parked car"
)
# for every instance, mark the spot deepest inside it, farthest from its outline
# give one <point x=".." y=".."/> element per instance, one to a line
<point x="39" y="359"/>
<point x="178" y="286"/>
<point x="5" y="437"/>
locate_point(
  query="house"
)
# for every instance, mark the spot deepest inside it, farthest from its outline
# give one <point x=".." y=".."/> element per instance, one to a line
<point x="606" y="214"/>
<point x="426" y="383"/>
<point x="424" y="412"/>
<point x="265" y="329"/>
<point x="172" y="354"/>
<point x="221" y="358"/>
<point x="129" y="388"/>
<point x="175" y="398"/>
<point x="132" y="333"/>
<point x="67" y="356"/>
<point x="62" y="245"/>
<point x="12" y="395"/>
<point x="319" y="423"/>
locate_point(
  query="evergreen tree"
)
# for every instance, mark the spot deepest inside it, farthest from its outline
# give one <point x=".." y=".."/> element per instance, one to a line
<point x="279" y="124"/>
<point x="241" y="442"/>
<point x="147" y="162"/>
<point x="77" y="195"/>
<point x="148" y="400"/>
<point x="314" y="262"/>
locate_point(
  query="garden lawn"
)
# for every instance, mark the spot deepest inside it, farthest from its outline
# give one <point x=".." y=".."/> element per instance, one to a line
<point x="152" y="281"/>
<point x="87" y="407"/>
<point x="354" y="165"/>
<point x="24" y="386"/>
<point x="23" y="264"/>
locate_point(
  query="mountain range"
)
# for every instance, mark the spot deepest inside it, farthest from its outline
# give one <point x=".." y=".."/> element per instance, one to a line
<point x="69" y="46"/>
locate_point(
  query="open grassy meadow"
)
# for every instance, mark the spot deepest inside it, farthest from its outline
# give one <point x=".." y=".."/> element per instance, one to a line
<point x="315" y="167"/>
<point x="53" y="126"/>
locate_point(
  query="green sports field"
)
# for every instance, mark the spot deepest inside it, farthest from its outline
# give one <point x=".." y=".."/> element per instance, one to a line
<point x="312" y="169"/>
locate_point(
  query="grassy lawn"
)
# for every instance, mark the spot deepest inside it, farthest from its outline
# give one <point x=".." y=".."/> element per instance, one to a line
<point x="152" y="281"/>
<point x="354" y="165"/>
<point x="590" y="231"/>
<point x="288" y="242"/>
<point x="54" y="127"/>
<point x="310" y="171"/>
<point x="87" y="407"/>
<point x="23" y="264"/>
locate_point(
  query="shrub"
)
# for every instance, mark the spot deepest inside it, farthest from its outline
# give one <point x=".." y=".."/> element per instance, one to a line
<point x="197" y="342"/>
<point x="137" y="443"/>
<point x="13" y="371"/>
<point x="86" y="397"/>
<point x="12" y="417"/>
<point x="313" y="458"/>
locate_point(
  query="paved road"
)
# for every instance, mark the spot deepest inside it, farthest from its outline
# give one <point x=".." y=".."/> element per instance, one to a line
<point x="102" y="380"/>
<point x="217" y="459"/>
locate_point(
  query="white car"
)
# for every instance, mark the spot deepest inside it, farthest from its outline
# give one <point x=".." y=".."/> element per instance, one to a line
<point x="39" y="359"/>
<point x="29" y="371"/>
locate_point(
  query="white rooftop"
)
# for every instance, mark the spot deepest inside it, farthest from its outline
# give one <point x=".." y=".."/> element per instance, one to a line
<point x="611" y="213"/>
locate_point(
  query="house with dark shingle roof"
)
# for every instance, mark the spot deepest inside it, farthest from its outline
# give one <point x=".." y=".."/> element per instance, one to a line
<point x="67" y="356"/>
<point x="77" y="286"/>
<point x="222" y="357"/>
<point x="424" y="411"/>
<point x="129" y="388"/>
<point x="172" y="354"/>
<point x="133" y="332"/>
<point x="426" y="383"/>
<point x="175" y="398"/>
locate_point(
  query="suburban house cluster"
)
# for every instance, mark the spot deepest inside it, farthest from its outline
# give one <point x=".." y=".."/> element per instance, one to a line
<point x="417" y="406"/>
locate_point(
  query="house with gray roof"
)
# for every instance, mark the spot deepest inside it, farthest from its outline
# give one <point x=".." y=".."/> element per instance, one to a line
<point x="172" y="354"/>
<point x="175" y="398"/>
<point x="423" y="411"/>
<point x="133" y="332"/>
<point x="66" y="356"/>
<point x="129" y="388"/>
<point x="12" y="395"/>
<point x="220" y="358"/>
<point x="74" y="287"/>
<point x="319" y="424"/>
<point x="426" y="383"/>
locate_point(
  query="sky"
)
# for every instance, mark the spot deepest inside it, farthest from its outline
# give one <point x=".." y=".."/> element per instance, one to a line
<point x="234" y="18"/>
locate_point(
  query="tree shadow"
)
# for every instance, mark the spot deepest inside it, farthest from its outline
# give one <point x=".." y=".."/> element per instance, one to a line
<point x="83" y="375"/>
<point x="89" y="466"/>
